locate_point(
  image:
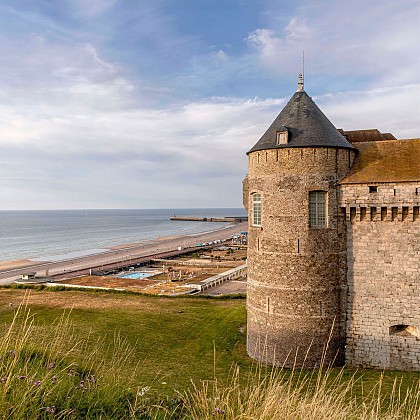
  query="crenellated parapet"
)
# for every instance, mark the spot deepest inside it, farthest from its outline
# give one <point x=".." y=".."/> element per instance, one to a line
<point x="380" y="202"/>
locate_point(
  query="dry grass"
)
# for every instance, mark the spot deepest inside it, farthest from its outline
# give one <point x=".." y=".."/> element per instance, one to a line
<point x="174" y="337"/>
<point x="318" y="395"/>
<point x="52" y="373"/>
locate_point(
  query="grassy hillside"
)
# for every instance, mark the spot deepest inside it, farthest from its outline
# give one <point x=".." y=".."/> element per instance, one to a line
<point x="171" y="340"/>
<point x="143" y="350"/>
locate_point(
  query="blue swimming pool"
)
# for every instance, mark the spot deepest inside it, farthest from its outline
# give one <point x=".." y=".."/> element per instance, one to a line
<point x="136" y="275"/>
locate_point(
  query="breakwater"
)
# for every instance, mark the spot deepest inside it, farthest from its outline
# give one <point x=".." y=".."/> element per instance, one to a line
<point x="229" y="219"/>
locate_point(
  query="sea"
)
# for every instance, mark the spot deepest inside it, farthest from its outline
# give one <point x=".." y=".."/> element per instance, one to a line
<point x="53" y="235"/>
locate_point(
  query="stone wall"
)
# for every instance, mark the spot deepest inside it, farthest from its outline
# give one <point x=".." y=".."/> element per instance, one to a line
<point x="383" y="256"/>
<point x="296" y="297"/>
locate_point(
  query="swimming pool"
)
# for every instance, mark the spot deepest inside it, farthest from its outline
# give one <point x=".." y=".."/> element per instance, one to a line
<point x="136" y="275"/>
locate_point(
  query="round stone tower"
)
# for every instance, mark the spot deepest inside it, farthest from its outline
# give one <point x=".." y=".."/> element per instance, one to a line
<point x="296" y="297"/>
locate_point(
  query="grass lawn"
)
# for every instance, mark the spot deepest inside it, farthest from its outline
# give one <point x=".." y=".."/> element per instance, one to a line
<point x="171" y="340"/>
<point x="162" y="343"/>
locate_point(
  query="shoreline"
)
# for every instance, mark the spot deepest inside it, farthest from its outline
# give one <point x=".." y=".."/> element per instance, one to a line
<point x="75" y="254"/>
<point x="11" y="264"/>
<point x="125" y="255"/>
<point x="169" y="238"/>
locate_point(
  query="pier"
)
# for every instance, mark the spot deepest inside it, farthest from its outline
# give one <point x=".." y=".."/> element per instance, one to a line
<point x="229" y="219"/>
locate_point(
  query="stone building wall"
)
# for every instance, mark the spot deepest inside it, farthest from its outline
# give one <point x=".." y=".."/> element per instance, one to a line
<point x="296" y="275"/>
<point x="383" y="257"/>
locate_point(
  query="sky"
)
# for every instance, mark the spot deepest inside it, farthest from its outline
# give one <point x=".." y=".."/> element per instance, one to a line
<point x="154" y="103"/>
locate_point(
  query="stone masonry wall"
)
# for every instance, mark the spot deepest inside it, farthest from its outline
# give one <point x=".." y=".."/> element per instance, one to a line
<point x="296" y="292"/>
<point x="383" y="257"/>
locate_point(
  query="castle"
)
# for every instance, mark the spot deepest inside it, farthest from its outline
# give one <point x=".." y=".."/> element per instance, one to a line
<point x="334" y="244"/>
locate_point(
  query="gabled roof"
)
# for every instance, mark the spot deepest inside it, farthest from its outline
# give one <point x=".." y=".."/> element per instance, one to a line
<point x="355" y="136"/>
<point x="307" y="125"/>
<point x="385" y="161"/>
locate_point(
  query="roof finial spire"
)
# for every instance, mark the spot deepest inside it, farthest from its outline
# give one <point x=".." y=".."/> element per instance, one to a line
<point x="301" y="75"/>
<point x="300" y="83"/>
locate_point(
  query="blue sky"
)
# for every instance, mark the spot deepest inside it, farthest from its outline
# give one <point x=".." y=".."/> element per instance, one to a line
<point x="153" y="104"/>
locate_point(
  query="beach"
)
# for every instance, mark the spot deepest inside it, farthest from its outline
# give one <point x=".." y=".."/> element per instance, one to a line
<point x="11" y="270"/>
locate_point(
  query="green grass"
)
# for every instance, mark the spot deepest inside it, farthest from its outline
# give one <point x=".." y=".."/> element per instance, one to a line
<point x="172" y="340"/>
<point x="144" y="351"/>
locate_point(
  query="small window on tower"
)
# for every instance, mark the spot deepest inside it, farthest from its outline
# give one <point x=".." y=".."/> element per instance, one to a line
<point x="373" y="189"/>
<point x="256" y="209"/>
<point x="282" y="137"/>
<point x="317" y="208"/>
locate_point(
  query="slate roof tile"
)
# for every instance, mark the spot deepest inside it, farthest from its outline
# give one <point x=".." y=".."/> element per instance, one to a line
<point x="307" y="125"/>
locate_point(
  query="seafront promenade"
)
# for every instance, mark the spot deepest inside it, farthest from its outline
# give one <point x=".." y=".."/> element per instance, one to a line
<point x="120" y="255"/>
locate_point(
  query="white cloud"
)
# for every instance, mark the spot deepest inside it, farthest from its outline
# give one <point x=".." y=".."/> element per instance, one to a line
<point x="373" y="39"/>
<point x="87" y="138"/>
<point x="394" y="110"/>
<point x="78" y="129"/>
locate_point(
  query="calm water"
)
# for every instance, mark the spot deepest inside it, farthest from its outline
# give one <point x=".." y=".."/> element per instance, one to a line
<point x="57" y="234"/>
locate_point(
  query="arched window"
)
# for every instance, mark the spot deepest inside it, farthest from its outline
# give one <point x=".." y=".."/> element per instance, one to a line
<point x="256" y="209"/>
<point x="317" y="208"/>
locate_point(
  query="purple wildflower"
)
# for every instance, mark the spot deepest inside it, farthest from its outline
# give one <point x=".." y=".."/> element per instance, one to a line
<point x="54" y="379"/>
<point x="3" y="379"/>
<point x="50" y="410"/>
<point x="217" y="411"/>
<point x="91" y="379"/>
<point x="37" y="383"/>
<point x="21" y="377"/>
<point x="50" y="366"/>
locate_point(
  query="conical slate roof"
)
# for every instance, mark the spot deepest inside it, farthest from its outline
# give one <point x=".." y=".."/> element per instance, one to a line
<point x="306" y="124"/>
